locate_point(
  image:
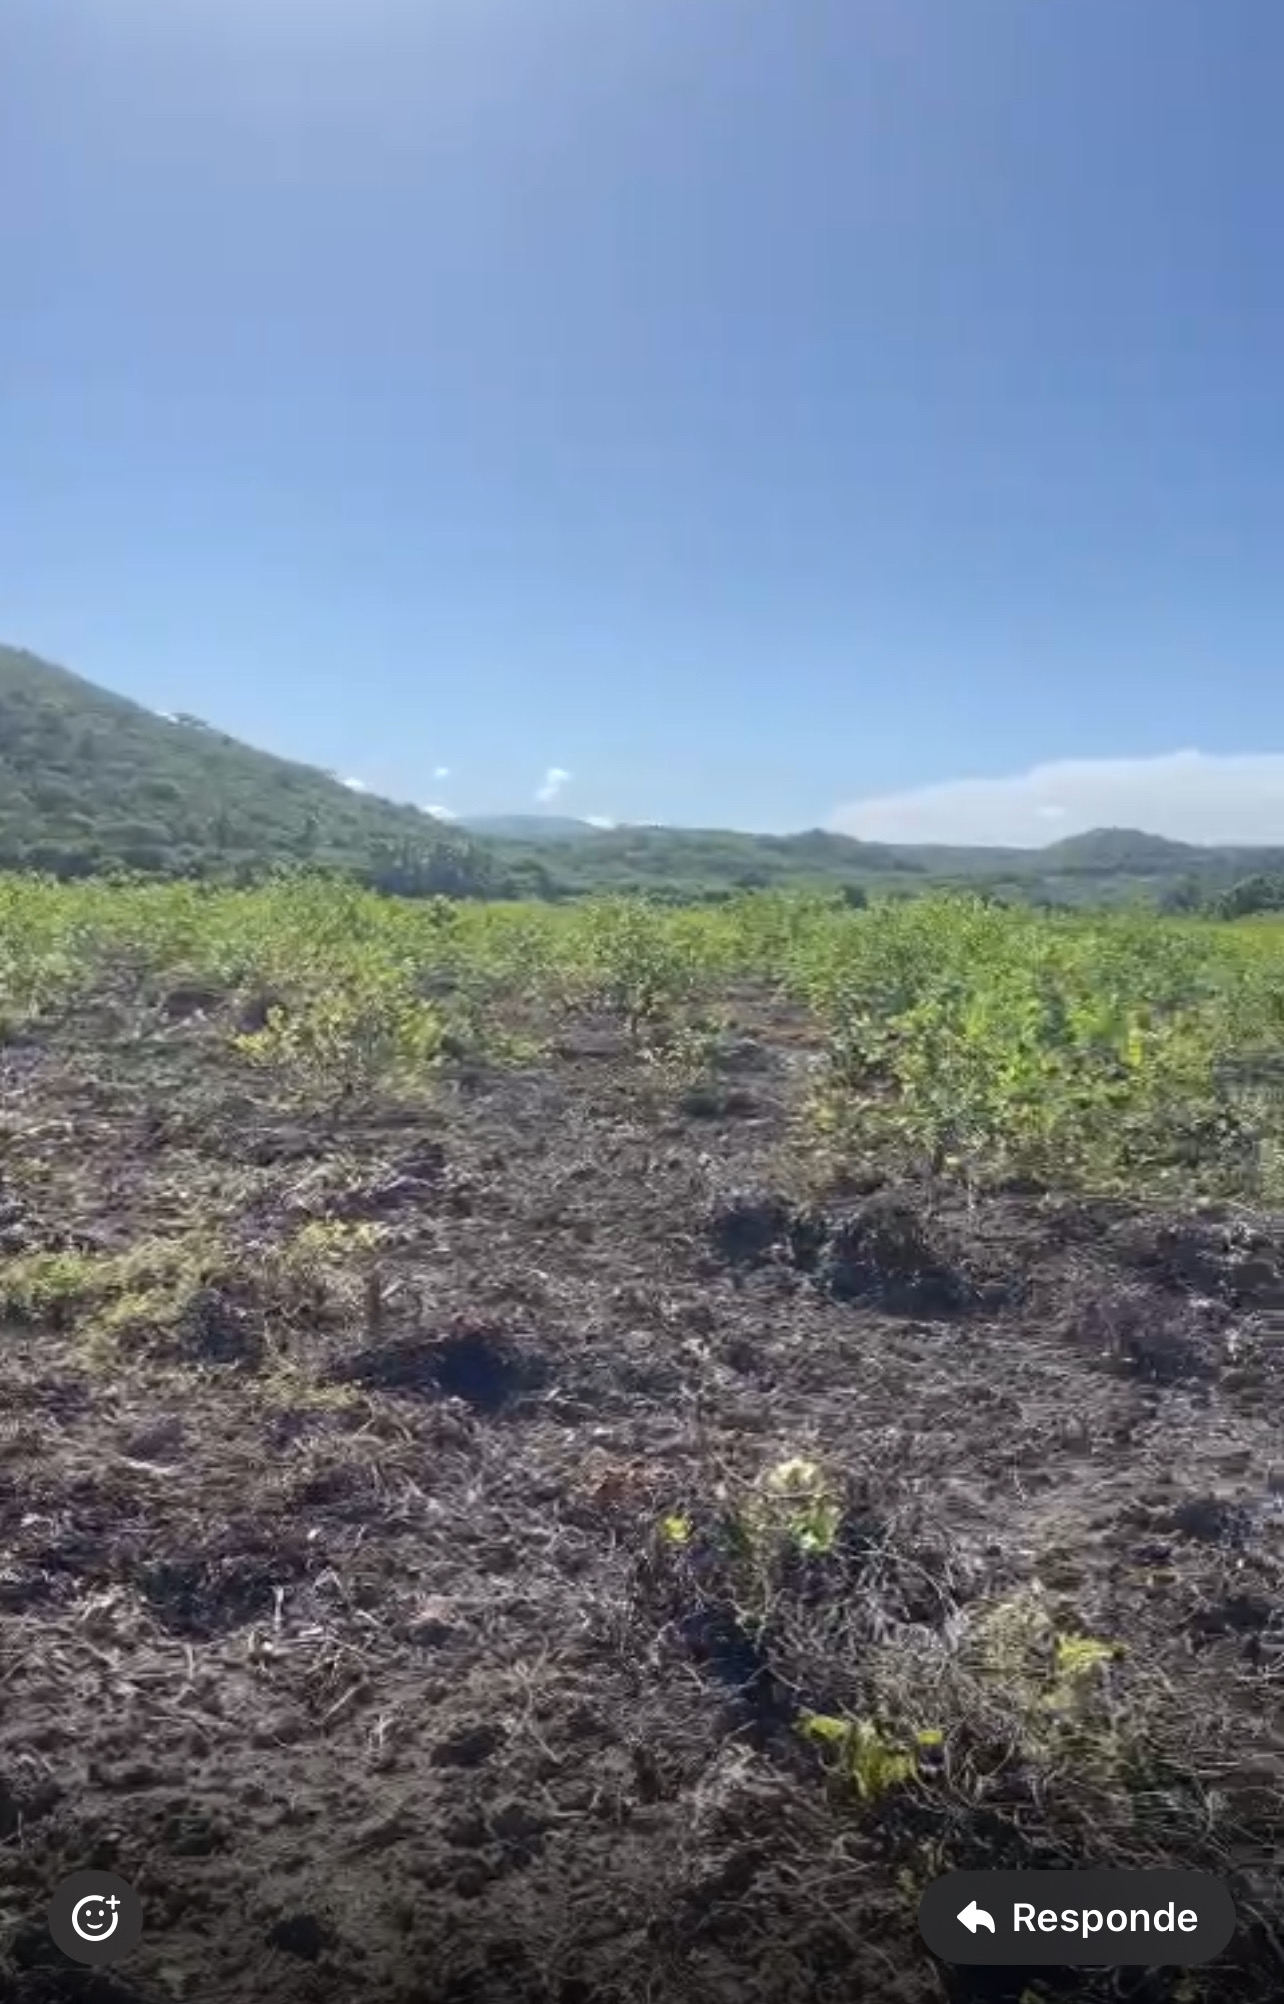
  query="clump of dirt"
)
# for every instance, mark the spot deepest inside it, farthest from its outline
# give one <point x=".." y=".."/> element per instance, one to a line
<point x="485" y="1368"/>
<point x="24" y="1799"/>
<point x="414" y="1180"/>
<point x="1214" y="1519"/>
<point x="236" y="1579"/>
<point x="884" y="1252"/>
<point x="469" y="1745"/>
<point x="1226" y="1259"/>
<point x="301" y="1934"/>
<point x="711" y="1099"/>
<point x="214" y="1329"/>
<point x="747" y="1227"/>
<point x="1145" y="1331"/>
<point x="191" y="998"/>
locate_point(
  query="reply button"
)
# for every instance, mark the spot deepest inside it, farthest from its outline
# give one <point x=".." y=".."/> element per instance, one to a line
<point x="1077" y="1917"/>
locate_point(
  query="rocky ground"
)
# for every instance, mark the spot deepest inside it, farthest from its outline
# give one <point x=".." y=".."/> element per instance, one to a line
<point x="336" y="1611"/>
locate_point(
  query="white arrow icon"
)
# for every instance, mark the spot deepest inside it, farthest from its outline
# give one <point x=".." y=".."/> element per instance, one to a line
<point x="974" y="1917"/>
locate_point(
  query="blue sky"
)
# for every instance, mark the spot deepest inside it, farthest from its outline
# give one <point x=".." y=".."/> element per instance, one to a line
<point x="748" y="408"/>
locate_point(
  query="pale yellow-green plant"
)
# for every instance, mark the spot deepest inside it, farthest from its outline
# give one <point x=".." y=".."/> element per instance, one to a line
<point x="347" y="1039"/>
<point x="1054" y="1681"/>
<point x="870" y="1757"/>
<point x="796" y="1501"/>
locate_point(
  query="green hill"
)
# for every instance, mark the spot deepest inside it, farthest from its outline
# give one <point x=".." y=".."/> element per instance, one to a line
<point x="1109" y="850"/>
<point x="90" y="781"/>
<point x="700" y="862"/>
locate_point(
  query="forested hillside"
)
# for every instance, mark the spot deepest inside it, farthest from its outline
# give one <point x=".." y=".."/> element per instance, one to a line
<point x="92" y="783"/>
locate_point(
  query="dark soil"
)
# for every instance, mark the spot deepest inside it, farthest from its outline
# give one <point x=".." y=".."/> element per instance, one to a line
<point x="343" y="1631"/>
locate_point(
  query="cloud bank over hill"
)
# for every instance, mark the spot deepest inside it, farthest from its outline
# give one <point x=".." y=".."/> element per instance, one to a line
<point x="1189" y="796"/>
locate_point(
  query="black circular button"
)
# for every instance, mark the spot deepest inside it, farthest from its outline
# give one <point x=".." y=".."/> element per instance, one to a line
<point x="96" y="1918"/>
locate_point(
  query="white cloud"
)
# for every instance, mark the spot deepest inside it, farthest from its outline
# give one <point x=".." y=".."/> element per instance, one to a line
<point x="441" y="772"/>
<point x="599" y="821"/>
<point x="554" y="780"/>
<point x="356" y="786"/>
<point x="438" y="812"/>
<point x="1189" y="796"/>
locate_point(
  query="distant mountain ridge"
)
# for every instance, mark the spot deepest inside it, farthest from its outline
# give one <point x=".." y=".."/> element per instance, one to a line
<point x="1096" y="851"/>
<point x="92" y="782"/>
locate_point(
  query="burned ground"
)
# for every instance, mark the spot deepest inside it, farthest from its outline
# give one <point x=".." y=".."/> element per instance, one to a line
<point x="373" y="1577"/>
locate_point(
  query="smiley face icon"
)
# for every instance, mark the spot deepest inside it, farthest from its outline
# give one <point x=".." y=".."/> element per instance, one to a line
<point x="95" y="1917"/>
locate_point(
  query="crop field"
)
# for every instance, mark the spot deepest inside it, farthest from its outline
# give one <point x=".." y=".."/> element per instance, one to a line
<point x="589" y="1453"/>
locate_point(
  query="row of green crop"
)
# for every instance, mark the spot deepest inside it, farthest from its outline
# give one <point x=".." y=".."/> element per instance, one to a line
<point x="960" y="1036"/>
<point x="1122" y="1050"/>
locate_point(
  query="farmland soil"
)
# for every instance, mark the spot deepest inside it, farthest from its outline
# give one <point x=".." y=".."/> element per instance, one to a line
<point x="346" y="1633"/>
